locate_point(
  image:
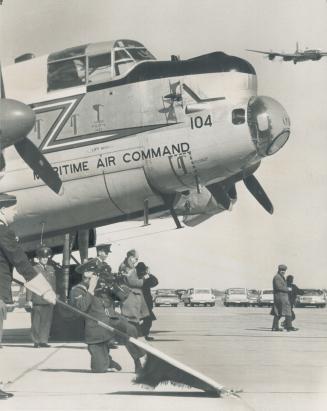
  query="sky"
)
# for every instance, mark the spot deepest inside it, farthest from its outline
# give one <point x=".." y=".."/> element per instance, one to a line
<point x="242" y="247"/>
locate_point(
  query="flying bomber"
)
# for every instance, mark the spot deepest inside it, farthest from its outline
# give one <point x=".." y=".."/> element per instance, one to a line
<point x="130" y="135"/>
<point x="297" y="56"/>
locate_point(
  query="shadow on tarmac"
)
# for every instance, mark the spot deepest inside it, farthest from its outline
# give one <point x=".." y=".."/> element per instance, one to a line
<point x="82" y="371"/>
<point x="167" y="394"/>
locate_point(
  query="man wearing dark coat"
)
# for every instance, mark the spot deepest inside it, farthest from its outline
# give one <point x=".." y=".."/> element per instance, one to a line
<point x="93" y="297"/>
<point x="13" y="256"/>
<point x="282" y="306"/>
<point x="149" y="281"/>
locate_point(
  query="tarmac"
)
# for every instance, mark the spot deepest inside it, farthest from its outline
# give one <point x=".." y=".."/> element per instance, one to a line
<point x="233" y="346"/>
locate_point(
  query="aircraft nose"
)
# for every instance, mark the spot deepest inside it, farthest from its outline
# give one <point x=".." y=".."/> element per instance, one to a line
<point x="17" y="120"/>
<point x="269" y="124"/>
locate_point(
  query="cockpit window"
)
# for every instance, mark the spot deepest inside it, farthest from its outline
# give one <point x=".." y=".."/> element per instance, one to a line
<point x="140" y="54"/>
<point x="99" y="69"/>
<point x="121" y="54"/>
<point x="66" y="73"/>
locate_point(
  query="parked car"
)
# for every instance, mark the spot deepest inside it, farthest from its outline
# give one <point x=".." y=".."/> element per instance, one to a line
<point x="170" y="299"/>
<point x="236" y="296"/>
<point x="266" y="298"/>
<point x="253" y="297"/>
<point x="199" y="296"/>
<point x="312" y="297"/>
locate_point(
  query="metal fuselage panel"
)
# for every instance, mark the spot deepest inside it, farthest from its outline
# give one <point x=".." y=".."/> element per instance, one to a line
<point x="116" y="146"/>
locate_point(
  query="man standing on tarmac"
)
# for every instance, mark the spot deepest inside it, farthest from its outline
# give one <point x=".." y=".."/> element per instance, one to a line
<point x="282" y="306"/>
<point x="13" y="256"/>
<point x="42" y="311"/>
<point x="94" y="297"/>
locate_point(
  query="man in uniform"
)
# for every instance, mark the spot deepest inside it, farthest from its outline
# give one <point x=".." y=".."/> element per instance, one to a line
<point x="282" y="306"/>
<point x="93" y="296"/>
<point x="103" y="251"/>
<point x="13" y="256"/>
<point x="42" y="311"/>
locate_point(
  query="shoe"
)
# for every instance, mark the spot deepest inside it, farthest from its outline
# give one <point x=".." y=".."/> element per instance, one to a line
<point x="277" y="329"/>
<point x="148" y="338"/>
<point x="115" y="365"/>
<point x="138" y="366"/>
<point x="36" y="345"/>
<point x="4" y="395"/>
<point x="292" y="329"/>
<point x="44" y="345"/>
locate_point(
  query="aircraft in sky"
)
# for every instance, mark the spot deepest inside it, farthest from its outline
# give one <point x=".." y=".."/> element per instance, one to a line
<point x="129" y="135"/>
<point x="297" y="56"/>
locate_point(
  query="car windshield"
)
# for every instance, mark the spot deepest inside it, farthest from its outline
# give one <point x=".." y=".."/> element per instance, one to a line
<point x="237" y="291"/>
<point x="167" y="295"/>
<point x="312" y="292"/>
<point x="202" y="291"/>
<point x="267" y="292"/>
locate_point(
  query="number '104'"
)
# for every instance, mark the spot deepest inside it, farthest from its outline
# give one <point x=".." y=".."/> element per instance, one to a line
<point x="199" y="122"/>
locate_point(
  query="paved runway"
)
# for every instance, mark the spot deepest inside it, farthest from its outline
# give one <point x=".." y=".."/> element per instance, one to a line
<point x="234" y="346"/>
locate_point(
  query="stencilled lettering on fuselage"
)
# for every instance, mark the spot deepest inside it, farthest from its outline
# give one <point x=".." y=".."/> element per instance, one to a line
<point x="77" y="121"/>
<point x="105" y="163"/>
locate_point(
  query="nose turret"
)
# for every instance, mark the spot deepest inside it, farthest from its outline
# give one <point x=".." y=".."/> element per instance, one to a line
<point x="269" y="124"/>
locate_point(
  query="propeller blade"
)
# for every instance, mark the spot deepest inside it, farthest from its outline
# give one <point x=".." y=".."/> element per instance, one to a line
<point x="39" y="164"/>
<point x="253" y="185"/>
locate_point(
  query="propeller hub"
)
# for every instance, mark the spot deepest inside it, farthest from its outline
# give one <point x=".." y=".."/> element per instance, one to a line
<point x="17" y="120"/>
<point x="269" y="124"/>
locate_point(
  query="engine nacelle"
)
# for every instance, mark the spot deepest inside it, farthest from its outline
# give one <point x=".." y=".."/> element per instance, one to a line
<point x="197" y="207"/>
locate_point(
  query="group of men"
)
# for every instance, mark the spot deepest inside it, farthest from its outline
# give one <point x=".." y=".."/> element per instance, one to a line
<point x="285" y="292"/>
<point x="97" y="295"/>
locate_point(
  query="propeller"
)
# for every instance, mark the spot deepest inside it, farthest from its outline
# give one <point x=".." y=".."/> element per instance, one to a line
<point x="253" y="185"/>
<point x="17" y="120"/>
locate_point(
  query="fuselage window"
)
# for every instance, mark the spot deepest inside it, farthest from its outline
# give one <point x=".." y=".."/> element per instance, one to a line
<point x="238" y="116"/>
<point x="99" y="70"/>
<point x="66" y="73"/>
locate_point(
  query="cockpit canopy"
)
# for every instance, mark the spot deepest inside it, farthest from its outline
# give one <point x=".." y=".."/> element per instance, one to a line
<point x="94" y="63"/>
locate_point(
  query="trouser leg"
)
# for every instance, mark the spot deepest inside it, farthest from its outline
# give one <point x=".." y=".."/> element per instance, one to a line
<point x="275" y="324"/>
<point x="146" y="326"/>
<point x="288" y="322"/>
<point x="36" y="323"/>
<point x="100" y="359"/>
<point x="46" y="314"/>
<point x="3" y="316"/>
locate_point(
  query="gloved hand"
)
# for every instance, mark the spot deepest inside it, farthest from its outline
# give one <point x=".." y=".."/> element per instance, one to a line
<point x="50" y="297"/>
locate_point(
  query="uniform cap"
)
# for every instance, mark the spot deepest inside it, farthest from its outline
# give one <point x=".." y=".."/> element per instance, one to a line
<point x="104" y="247"/>
<point x="90" y="265"/>
<point x="7" y="200"/>
<point x="43" y="252"/>
<point x="282" y="267"/>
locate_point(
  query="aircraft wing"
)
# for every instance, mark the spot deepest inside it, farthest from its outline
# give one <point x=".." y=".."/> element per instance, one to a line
<point x="273" y="53"/>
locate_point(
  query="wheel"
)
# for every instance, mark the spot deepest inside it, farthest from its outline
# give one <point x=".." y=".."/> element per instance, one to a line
<point x="191" y="304"/>
<point x="212" y="304"/>
<point x="174" y="305"/>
